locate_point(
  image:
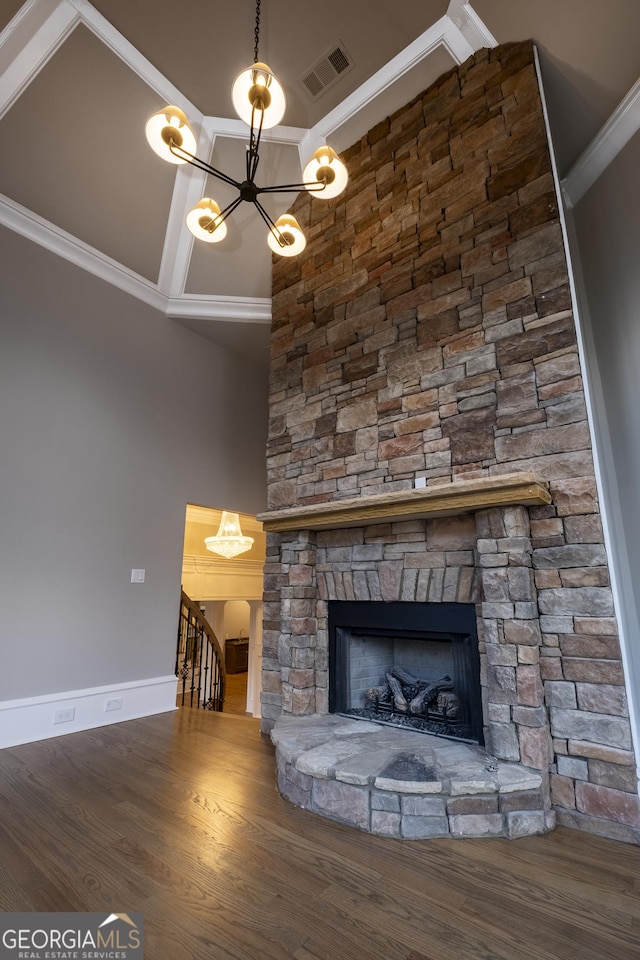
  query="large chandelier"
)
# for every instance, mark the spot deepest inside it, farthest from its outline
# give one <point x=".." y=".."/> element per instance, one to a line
<point x="229" y="541"/>
<point x="259" y="100"/>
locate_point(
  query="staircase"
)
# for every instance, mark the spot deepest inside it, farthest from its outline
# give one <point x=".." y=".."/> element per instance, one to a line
<point x="200" y="665"/>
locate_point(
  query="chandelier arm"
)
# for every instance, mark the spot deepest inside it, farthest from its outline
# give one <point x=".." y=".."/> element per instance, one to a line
<point x="269" y="222"/>
<point x="293" y="187"/>
<point x="254" y="157"/>
<point x="249" y="156"/>
<point x="222" y="216"/>
<point x="202" y="165"/>
<point x="254" y="142"/>
<point x="253" y="147"/>
<point x="274" y="229"/>
<point x="265" y="216"/>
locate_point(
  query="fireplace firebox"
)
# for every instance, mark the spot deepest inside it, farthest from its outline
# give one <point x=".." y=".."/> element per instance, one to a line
<point x="414" y="665"/>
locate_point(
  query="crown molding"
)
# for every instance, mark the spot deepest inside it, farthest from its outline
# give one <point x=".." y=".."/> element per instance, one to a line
<point x="65" y="245"/>
<point x="460" y="31"/>
<point x="201" y="514"/>
<point x="392" y="71"/>
<point x="213" y="307"/>
<point x="621" y="126"/>
<point x="474" y="30"/>
<point x="194" y="563"/>
<point x="58" y="241"/>
<point x="212" y="515"/>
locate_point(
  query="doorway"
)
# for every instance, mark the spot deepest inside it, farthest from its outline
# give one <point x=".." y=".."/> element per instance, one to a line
<point x="237" y="616"/>
<point x="229" y="592"/>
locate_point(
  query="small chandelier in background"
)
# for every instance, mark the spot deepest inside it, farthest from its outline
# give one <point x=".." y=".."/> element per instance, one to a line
<point x="259" y="100"/>
<point x="229" y="541"/>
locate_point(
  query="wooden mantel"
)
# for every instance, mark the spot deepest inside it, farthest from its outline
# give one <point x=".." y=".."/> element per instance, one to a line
<point x="444" y="500"/>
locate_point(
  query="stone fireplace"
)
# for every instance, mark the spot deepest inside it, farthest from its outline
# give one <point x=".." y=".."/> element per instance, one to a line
<point x="463" y="546"/>
<point x="429" y="444"/>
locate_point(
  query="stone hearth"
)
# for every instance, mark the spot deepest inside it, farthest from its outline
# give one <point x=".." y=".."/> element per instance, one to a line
<point x="396" y="783"/>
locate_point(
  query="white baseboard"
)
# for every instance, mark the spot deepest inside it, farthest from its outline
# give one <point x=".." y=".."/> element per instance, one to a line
<point x="24" y="721"/>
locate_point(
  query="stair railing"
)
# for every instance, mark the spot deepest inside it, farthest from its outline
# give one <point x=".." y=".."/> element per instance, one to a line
<point x="200" y="665"/>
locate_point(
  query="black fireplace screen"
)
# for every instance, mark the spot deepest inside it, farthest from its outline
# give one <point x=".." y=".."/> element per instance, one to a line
<point x="414" y="665"/>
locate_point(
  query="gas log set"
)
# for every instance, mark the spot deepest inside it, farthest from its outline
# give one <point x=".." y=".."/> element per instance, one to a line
<point x="432" y="706"/>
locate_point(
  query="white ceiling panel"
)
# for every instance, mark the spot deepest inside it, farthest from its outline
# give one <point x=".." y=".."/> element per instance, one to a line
<point x="79" y="158"/>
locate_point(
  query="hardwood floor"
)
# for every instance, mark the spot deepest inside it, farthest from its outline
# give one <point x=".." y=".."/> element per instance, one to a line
<point x="235" y="696"/>
<point x="177" y="816"/>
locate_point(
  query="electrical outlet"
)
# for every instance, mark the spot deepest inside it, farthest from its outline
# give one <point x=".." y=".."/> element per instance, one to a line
<point x="64" y="716"/>
<point x="115" y="703"/>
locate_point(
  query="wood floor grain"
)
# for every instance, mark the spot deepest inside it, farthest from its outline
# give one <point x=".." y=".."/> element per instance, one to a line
<point x="235" y="693"/>
<point x="177" y="816"/>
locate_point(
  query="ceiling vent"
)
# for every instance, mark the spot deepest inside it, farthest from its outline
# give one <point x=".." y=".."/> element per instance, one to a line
<point x="327" y="71"/>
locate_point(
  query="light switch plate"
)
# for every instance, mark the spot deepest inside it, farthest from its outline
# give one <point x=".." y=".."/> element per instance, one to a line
<point x="137" y="576"/>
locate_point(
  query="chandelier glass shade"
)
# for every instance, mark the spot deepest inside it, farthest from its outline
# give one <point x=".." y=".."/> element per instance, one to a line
<point x="229" y="541"/>
<point x="204" y="221"/>
<point x="327" y="168"/>
<point x="289" y="228"/>
<point x="259" y="100"/>
<point x="170" y="136"/>
<point x="256" y="88"/>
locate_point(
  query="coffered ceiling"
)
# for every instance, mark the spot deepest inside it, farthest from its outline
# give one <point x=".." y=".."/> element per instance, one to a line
<point x="79" y="79"/>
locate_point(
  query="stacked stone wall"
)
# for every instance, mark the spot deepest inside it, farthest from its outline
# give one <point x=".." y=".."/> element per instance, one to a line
<point x="427" y="331"/>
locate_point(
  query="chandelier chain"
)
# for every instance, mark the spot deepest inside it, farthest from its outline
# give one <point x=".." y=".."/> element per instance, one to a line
<point x="257" y="32"/>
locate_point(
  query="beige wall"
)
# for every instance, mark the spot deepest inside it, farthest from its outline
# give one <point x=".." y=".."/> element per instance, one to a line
<point x="607" y="233"/>
<point x="113" y="419"/>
